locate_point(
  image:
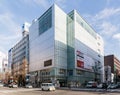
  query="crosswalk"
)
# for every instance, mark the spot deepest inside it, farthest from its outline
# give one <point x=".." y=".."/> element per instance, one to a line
<point x="12" y="90"/>
<point x="24" y="91"/>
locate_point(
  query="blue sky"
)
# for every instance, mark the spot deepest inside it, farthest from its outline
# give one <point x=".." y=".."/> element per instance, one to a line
<point x="102" y="15"/>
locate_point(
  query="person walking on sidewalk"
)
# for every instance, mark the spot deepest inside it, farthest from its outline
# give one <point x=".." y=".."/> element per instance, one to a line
<point x="69" y="86"/>
<point x="105" y="86"/>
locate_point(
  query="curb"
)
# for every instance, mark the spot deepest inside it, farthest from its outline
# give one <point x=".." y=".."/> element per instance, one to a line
<point x="92" y="90"/>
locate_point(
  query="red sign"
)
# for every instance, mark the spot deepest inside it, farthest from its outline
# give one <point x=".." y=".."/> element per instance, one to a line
<point x="80" y="64"/>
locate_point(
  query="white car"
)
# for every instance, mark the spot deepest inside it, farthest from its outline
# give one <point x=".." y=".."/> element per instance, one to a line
<point x="100" y="86"/>
<point x="12" y="85"/>
<point x="1" y="85"/>
<point x="29" y="86"/>
<point x="15" y="85"/>
<point x="48" y="86"/>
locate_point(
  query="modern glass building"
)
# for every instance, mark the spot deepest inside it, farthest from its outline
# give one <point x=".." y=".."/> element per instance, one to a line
<point x="64" y="49"/>
<point x="85" y="52"/>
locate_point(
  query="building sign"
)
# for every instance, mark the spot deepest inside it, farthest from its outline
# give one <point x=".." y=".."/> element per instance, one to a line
<point x="48" y="63"/>
<point x="80" y="54"/>
<point x="80" y="59"/>
<point x="84" y="61"/>
<point x="80" y="64"/>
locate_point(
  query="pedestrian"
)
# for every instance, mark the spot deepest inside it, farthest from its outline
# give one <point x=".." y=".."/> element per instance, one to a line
<point x="69" y="86"/>
<point x="105" y="86"/>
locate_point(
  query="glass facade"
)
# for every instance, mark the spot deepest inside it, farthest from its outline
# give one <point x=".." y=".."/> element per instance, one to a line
<point x="75" y="75"/>
<point x="62" y="66"/>
<point x="70" y="41"/>
<point x="45" y="21"/>
<point x="60" y="53"/>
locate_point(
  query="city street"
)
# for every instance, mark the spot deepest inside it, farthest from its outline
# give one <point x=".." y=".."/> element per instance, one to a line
<point x="37" y="91"/>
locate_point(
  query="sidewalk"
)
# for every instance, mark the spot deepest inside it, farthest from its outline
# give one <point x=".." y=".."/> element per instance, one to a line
<point x="90" y="89"/>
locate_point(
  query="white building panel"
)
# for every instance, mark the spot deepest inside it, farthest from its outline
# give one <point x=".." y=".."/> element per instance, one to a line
<point x="60" y="38"/>
<point x="41" y="48"/>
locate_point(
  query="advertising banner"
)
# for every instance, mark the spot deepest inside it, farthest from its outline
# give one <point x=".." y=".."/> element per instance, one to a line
<point x="80" y="64"/>
<point x="80" y="59"/>
<point x="84" y="61"/>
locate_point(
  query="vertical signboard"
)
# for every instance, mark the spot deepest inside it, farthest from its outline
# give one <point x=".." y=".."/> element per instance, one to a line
<point x="80" y="59"/>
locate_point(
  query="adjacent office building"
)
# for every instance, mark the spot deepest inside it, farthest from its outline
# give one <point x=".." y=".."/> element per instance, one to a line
<point x="9" y="59"/>
<point x="5" y="70"/>
<point x="19" y="57"/>
<point x="64" y="49"/>
<point x="114" y="63"/>
<point x="3" y="66"/>
<point x="2" y="56"/>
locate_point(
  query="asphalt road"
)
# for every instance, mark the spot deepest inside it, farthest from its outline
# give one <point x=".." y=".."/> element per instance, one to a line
<point x="24" y="91"/>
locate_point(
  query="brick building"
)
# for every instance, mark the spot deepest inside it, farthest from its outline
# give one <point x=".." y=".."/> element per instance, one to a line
<point x="114" y="63"/>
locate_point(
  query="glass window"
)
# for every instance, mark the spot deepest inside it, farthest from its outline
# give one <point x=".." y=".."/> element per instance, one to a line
<point x="61" y="71"/>
<point x="78" y="72"/>
<point x="70" y="72"/>
<point x="45" y="21"/>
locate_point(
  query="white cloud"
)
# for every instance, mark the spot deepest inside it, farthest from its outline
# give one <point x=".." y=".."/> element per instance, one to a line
<point x="10" y="30"/>
<point x="117" y="36"/>
<point x="106" y="28"/>
<point x="107" y="12"/>
<point x="105" y="21"/>
<point x="6" y="20"/>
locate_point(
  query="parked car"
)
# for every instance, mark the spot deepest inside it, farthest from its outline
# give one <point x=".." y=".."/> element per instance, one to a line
<point x="118" y="85"/>
<point x="1" y="84"/>
<point x="91" y="84"/>
<point x="5" y="85"/>
<point x="13" y="85"/>
<point x="28" y="86"/>
<point x="100" y="86"/>
<point x="112" y="86"/>
<point x="48" y="86"/>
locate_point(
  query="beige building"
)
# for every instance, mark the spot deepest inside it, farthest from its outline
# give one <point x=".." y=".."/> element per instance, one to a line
<point x="19" y="57"/>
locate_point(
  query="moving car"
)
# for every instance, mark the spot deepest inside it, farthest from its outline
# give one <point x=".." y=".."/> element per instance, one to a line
<point x="48" y="86"/>
<point x="91" y="84"/>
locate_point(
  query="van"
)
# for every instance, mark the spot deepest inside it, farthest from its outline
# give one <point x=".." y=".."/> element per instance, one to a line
<point x="91" y="84"/>
<point x="48" y="86"/>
